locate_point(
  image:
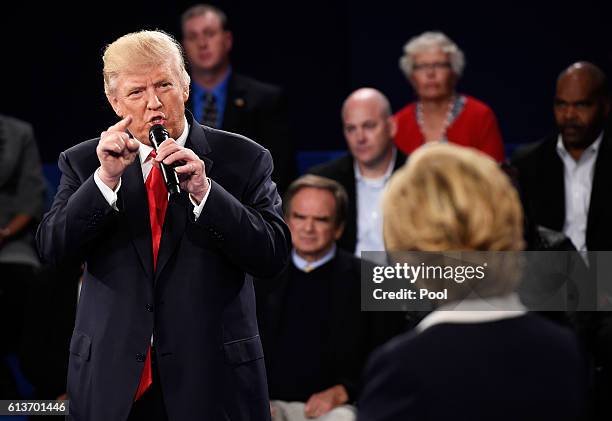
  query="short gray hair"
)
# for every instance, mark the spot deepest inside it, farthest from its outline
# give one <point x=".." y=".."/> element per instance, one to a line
<point x="427" y="41"/>
<point x="322" y="183"/>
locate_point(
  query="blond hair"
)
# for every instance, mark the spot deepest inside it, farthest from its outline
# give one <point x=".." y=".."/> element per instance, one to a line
<point x="144" y="48"/>
<point x="453" y="198"/>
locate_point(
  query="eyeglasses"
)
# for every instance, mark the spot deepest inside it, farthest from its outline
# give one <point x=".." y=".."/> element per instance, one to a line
<point x="439" y="65"/>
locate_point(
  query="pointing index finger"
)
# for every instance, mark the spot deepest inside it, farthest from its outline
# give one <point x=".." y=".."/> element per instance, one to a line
<point x="121" y="125"/>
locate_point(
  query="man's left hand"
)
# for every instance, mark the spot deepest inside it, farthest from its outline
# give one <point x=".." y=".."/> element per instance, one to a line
<point x="190" y="168"/>
<point x="321" y="403"/>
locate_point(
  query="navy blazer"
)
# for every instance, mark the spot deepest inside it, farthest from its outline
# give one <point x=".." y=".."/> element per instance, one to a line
<point x="522" y="368"/>
<point x="199" y="302"/>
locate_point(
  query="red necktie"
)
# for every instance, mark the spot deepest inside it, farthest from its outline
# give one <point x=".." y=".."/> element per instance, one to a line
<point x="157" y="196"/>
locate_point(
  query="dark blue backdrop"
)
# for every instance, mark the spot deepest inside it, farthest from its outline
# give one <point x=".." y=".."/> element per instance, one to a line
<point x="319" y="51"/>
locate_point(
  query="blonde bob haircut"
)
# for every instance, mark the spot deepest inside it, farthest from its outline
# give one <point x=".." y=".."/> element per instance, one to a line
<point x="449" y="197"/>
<point x="144" y="48"/>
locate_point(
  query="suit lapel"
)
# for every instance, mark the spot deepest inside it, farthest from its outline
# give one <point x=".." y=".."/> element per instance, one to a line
<point x="234" y="105"/>
<point x="174" y="227"/>
<point x="549" y="196"/>
<point x="198" y="143"/>
<point x="602" y="186"/>
<point x="133" y="199"/>
<point x="179" y="206"/>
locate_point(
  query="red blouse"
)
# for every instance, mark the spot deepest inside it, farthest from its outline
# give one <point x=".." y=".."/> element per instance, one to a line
<point x="475" y="126"/>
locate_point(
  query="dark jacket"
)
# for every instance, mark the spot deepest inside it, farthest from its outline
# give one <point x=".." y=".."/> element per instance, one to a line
<point x="346" y="322"/>
<point x="259" y="111"/>
<point x="542" y="188"/>
<point x="198" y="302"/>
<point x="522" y="368"/>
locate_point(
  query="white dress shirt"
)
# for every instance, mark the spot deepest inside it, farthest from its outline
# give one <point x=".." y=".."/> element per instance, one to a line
<point x="369" y="211"/>
<point x="306" y="266"/>
<point x="146" y="162"/>
<point x="578" y="181"/>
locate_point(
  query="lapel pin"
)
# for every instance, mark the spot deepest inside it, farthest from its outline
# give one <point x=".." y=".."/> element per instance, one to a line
<point x="239" y="102"/>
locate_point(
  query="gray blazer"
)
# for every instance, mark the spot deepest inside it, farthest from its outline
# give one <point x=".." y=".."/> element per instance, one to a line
<point x="22" y="187"/>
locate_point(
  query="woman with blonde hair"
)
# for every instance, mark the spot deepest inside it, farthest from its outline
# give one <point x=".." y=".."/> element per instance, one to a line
<point x="464" y="361"/>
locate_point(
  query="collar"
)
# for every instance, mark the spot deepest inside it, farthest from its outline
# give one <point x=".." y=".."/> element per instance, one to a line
<point x="145" y="150"/>
<point x="592" y="148"/>
<point x="306" y="266"/>
<point x="217" y="91"/>
<point x="475" y="311"/>
<point x="380" y="180"/>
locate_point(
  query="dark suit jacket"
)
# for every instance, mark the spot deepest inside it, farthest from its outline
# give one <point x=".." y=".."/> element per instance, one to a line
<point x="341" y="170"/>
<point x="199" y="303"/>
<point x="259" y="111"/>
<point x="523" y="368"/>
<point x="346" y="324"/>
<point x="541" y="182"/>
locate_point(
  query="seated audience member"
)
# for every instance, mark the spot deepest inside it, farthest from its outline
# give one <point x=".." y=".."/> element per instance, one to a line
<point x="474" y="364"/>
<point x="566" y="179"/>
<point x="565" y="182"/>
<point x="309" y="316"/>
<point x="22" y="192"/>
<point x="224" y="99"/>
<point x="433" y="64"/>
<point x="363" y="172"/>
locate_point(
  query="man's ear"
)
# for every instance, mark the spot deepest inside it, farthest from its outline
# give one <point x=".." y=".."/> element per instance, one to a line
<point x="229" y="41"/>
<point x="114" y="102"/>
<point x="606" y="107"/>
<point x="339" y="231"/>
<point x="185" y="93"/>
<point x="392" y="126"/>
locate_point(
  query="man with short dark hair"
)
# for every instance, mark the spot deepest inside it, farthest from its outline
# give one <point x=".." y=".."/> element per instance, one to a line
<point x="309" y="316"/>
<point x="227" y="100"/>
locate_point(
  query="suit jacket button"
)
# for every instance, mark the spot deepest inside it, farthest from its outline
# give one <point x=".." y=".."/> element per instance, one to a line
<point x="140" y="357"/>
<point x="149" y="308"/>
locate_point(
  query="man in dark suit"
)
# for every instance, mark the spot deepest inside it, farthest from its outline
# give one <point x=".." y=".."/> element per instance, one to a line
<point x="565" y="182"/>
<point x="310" y="320"/>
<point x="166" y="325"/>
<point x="566" y="179"/>
<point x="369" y="128"/>
<point x="230" y="101"/>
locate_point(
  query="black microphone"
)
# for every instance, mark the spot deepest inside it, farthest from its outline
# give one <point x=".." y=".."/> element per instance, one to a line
<point x="157" y="134"/>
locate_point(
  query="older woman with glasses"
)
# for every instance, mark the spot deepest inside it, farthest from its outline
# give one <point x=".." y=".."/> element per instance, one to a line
<point x="433" y="64"/>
